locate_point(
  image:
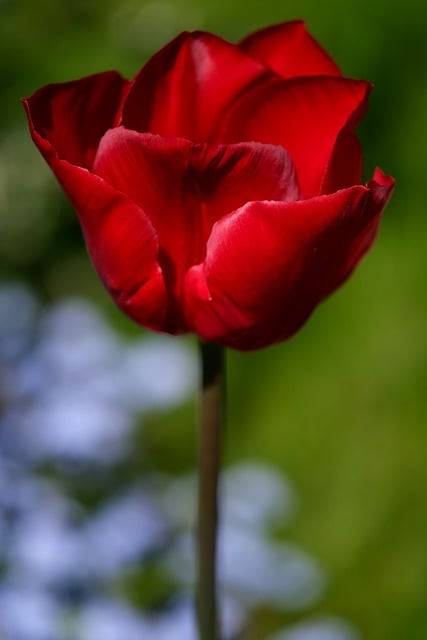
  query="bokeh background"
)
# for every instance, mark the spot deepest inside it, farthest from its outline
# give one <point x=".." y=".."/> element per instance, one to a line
<point x="325" y="533"/>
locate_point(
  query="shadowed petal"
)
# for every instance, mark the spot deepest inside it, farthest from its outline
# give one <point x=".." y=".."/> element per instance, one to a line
<point x="345" y="165"/>
<point x="344" y="168"/>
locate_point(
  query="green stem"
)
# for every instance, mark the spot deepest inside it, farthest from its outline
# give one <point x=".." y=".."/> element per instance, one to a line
<point x="212" y="396"/>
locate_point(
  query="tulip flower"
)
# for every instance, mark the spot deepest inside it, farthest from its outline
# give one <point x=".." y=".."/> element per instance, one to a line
<point x="219" y="192"/>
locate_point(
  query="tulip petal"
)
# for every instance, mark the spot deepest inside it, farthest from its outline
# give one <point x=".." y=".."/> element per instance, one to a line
<point x="185" y="188"/>
<point x="381" y="189"/>
<point x="183" y="89"/>
<point x="120" y="238"/>
<point x="289" y="50"/>
<point x="305" y="115"/>
<point x="269" y="264"/>
<point x="73" y="116"/>
<point x="345" y="165"/>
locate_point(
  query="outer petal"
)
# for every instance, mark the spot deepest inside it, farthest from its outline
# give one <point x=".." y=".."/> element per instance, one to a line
<point x="290" y="51"/>
<point x="185" y="188"/>
<point x="120" y="238"/>
<point x="269" y="264"/>
<point x="184" y="89"/>
<point x="73" y="116"/>
<point x="380" y="191"/>
<point x="306" y="116"/>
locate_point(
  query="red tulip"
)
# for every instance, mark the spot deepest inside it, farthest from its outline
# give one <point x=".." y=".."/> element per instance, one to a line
<point x="220" y="191"/>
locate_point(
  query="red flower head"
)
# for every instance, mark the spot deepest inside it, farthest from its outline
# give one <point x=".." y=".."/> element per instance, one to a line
<point x="219" y="191"/>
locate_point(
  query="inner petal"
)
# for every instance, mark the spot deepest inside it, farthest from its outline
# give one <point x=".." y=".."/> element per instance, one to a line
<point x="184" y="89"/>
<point x="184" y="188"/>
<point x="306" y="116"/>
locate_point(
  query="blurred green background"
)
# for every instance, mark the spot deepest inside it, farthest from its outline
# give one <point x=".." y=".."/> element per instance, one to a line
<point x="341" y="407"/>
